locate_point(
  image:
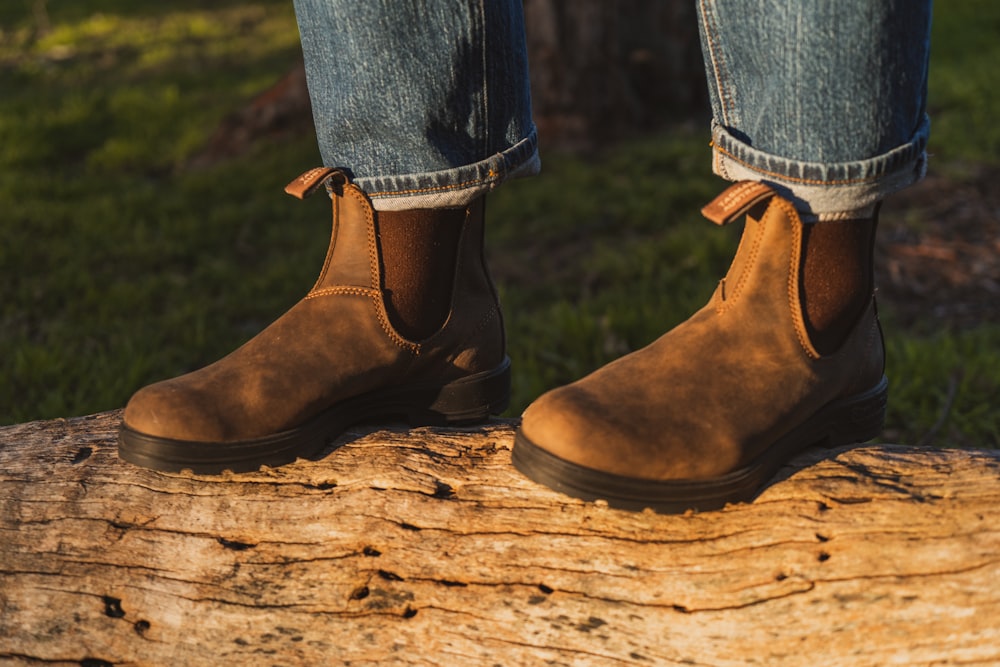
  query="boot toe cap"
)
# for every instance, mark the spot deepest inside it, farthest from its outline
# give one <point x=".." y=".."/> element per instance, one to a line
<point x="617" y="435"/>
<point x="565" y="423"/>
<point x="163" y="410"/>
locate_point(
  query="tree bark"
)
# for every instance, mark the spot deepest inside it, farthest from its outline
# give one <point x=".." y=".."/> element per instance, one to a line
<point x="425" y="547"/>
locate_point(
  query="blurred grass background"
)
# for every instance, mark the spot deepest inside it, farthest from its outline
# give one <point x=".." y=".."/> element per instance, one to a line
<point x="121" y="264"/>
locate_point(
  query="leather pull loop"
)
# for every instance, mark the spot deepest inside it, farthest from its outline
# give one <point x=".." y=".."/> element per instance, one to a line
<point x="735" y="201"/>
<point x="307" y="183"/>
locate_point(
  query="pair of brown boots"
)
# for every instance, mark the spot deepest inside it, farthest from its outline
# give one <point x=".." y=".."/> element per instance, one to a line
<point x="404" y="322"/>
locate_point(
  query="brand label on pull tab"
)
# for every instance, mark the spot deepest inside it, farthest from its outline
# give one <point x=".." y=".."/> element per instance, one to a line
<point x="306" y="183"/>
<point x="736" y="200"/>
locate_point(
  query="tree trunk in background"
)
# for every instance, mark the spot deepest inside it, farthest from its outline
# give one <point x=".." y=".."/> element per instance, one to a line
<point x="602" y="71"/>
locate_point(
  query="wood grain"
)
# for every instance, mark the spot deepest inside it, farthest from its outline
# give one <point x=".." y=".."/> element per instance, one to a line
<point x="425" y="547"/>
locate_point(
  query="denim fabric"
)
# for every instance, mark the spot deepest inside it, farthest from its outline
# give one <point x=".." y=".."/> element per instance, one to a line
<point x="425" y="102"/>
<point x="823" y="100"/>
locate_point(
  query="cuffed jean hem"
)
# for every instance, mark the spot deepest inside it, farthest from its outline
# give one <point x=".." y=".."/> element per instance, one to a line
<point x="452" y="188"/>
<point x="823" y="190"/>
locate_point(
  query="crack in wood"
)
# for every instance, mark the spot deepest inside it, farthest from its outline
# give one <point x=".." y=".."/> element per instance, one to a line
<point x="235" y="545"/>
<point x="36" y="659"/>
<point x="491" y="558"/>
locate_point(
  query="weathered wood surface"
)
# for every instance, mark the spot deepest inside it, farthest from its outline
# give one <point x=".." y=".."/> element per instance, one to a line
<point x="427" y="548"/>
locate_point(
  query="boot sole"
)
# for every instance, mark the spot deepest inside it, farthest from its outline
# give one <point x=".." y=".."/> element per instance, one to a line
<point x="851" y="420"/>
<point x="467" y="401"/>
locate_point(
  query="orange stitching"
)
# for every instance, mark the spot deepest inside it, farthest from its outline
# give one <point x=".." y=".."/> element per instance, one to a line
<point x="794" y="306"/>
<point x="334" y="228"/>
<point x="342" y="289"/>
<point x="376" y="297"/>
<point x="373" y="292"/>
<point x="412" y="348"/>
<point x="741" y="281"/>
<point x="807" y="181"/>
<point x="373" y="277"/>
<point x="375" y="280"/>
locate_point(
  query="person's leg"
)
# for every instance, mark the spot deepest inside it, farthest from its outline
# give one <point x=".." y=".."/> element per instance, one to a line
<point x="826" y="103"/>
<point x="420" y="109"/>
<point x="819" y="114"/>
<point x="425" y="102"/>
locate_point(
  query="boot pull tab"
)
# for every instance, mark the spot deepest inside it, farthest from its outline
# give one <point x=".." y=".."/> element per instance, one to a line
<point x="735" y="201"/>
<point x="307" y="183"/>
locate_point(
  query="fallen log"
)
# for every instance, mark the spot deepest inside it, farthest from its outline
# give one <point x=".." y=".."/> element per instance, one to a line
<point x="424" y="547"/>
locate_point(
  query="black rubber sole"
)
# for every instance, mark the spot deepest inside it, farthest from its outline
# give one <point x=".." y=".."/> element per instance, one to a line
<point x="855" y="419"/>
<point x="467" y="401"/>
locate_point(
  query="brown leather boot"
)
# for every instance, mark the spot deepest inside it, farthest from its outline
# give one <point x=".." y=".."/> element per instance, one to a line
<point x="334" y="359"/>
<point x="707" y="413"/>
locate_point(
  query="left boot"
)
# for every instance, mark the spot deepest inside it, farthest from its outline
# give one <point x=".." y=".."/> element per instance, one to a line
<point x="403" y="323"/>
<point x="706" y="414"/>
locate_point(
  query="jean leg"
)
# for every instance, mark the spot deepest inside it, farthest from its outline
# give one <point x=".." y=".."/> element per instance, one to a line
<point x="425" y="102"/>
<point x="825" y="101"/>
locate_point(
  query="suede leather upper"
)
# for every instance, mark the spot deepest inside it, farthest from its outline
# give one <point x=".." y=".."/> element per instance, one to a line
<point x="712" y="394"/>
<point x="336" y="343"/>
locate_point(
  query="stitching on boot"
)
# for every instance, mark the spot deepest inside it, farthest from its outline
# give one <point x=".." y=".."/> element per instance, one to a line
<point x="373" y="293"/>
<point x="794" y="305"/>
<point x="376" y="298"/>
<point x="335" y="224"/>
<point x="342" y="289"/>
<point x="869" y="344"/>
<point x="463" y="239"/>
<point x="741" y="280"/>
<point x="484" y="321"/>
<point x="480" y="326"/>
<point x="493" y="312"/>
<point x="413" y="348"/>
<point x="373" y="276"/>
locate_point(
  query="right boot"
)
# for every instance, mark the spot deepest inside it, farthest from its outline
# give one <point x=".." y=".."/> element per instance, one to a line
<point x="706" y="414"/>
<point x="332" y="360"/>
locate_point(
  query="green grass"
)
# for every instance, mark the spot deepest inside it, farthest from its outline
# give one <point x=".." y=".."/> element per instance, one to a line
<point x="119" y="265"/>
<point x="964" y="94"/>
<point x="944" y="388"/>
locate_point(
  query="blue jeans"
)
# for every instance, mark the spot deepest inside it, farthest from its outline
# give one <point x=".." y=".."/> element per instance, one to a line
<point x="427" y="102"/>
<point x="823" y="100"/>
